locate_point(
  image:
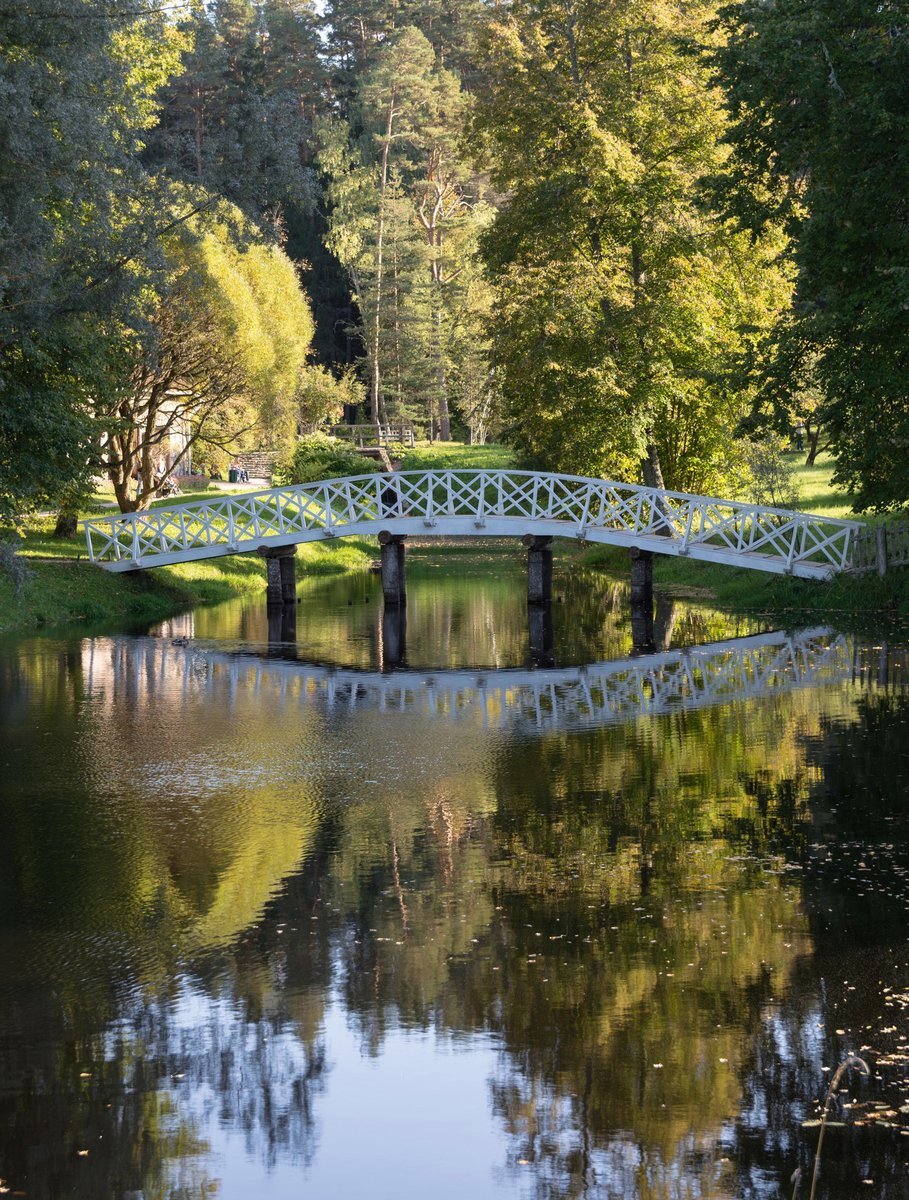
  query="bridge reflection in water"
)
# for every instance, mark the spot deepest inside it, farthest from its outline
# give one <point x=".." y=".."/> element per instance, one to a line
<point x="539" y="700"/>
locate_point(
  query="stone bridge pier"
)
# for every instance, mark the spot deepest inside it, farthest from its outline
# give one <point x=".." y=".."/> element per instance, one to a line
<point x="280" y="574"/>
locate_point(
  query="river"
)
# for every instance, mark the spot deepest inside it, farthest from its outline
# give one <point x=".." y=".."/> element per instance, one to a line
<point x="352" y="909"/>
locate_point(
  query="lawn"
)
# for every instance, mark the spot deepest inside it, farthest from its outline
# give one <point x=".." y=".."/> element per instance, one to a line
<point x="816" y="491"/>
<point x="443" y="456"/>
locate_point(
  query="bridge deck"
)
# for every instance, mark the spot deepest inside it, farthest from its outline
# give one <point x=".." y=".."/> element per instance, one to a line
<point x="479" y="504"/>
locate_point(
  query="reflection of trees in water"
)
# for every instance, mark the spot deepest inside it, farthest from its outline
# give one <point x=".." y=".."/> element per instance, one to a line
<point x="137" y="1095"/>
<point x="599" y="903"/>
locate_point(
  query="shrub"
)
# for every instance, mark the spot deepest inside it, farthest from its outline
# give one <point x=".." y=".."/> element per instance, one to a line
<point x="323" y="395"/>
<point x="321" y="457"/>
<point x="14" y="567"/>
<point x="773" y="479"/>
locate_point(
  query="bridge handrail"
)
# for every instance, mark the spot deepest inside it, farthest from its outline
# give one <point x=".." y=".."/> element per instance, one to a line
<point x="329" y="507"/>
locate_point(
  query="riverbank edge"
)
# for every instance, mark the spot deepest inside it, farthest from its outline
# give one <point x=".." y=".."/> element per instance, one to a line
<point x="67" y="592"/>
<point x="739" y="590"/>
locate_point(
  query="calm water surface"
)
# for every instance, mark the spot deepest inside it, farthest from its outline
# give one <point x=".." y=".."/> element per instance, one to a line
<point x="287" y="918"/>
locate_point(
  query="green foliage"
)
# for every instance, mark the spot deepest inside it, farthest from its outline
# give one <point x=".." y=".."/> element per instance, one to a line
<point x="78" y="221"/>
<point x="323" y="394"/>
<point x="222" y="357"/>
<point x="321" y="457"/>
<point x="236" y="120"/>
<point x="620" y="300"/>
<point x="819" y="96"/>
<point x="405" y="214"/>
<point x="773" y="479"/>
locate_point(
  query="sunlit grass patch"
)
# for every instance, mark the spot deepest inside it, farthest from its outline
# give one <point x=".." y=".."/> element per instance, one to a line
<point x="445" y="456"/>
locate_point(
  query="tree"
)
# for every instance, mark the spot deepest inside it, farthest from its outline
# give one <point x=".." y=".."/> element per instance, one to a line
<point x="393" y="103"/>
<point x="238" y="119"/>
<point x="223" y="355"/>
<point x="620" y="299"/>
<point x="404" y="216"/>
<point x="78" y="221"/>
<point x="819" y="95"/>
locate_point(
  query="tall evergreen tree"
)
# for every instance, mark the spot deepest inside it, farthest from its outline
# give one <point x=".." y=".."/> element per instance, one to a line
<point x="238" y="119"/>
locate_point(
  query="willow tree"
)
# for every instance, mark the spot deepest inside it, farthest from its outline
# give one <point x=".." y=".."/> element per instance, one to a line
<point x="620" y="297"/>
<point x="222" y="356"/>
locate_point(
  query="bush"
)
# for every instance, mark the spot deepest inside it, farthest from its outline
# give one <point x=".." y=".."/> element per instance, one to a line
<point x="773" y="480"/>
<point x="321" y="457"/>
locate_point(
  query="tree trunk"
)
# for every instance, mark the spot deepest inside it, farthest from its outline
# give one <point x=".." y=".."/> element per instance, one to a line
<point x="441" y="379"/>
<point x="650" y="464"/>
<point x="375" y="393"/>
<point x="653" y="478"/>
<point x="67" y="524"/>
<point x="814" y="440"/>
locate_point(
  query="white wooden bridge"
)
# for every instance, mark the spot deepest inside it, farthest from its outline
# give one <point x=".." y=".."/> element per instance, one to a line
<point x="477" y="503"/>
<point x="568" y="698"/>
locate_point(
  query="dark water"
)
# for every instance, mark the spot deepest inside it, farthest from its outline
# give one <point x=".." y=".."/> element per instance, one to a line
<point x="272" y="928"/>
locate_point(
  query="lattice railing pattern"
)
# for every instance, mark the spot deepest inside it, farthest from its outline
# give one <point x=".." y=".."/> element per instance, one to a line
<point x="478" y="502"/>
<point x="578" y="697"/>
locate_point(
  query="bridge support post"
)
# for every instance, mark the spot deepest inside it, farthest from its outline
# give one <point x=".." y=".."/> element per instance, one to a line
<point x="539" y="569"/>
<point x="394" y="584"/>
<point x="282" y="627"/>
<point x="280" y="574"/>
<point x="642" y="635"/>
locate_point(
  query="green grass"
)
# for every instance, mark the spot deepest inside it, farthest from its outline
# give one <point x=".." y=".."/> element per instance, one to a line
<point x="816" y="491"/>
<point x="443" y="456"/>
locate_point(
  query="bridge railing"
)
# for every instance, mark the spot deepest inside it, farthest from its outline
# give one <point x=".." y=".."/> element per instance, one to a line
<point x="473" y="500"/>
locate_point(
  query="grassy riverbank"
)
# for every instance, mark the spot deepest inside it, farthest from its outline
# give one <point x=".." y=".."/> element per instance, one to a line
<point x="61" y="587"/>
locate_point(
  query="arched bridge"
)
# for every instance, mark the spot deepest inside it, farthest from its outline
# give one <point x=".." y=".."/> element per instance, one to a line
<point x="478" y="503"/>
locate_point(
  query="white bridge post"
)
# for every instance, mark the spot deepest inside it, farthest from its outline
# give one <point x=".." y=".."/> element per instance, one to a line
<point x="394" y="583"/>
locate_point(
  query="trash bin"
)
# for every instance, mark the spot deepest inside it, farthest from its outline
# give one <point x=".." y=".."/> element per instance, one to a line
<point x="233" y="475"/>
